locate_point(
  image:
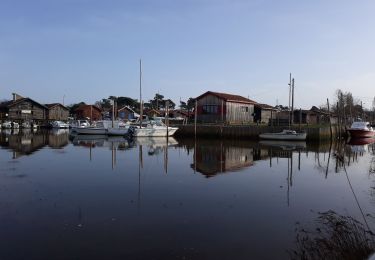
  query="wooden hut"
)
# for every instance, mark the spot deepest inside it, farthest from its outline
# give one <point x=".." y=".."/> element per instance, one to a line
<point x="88" y="112"/>
<point x="21" y="109"/>
<point x="57" y="111"/>
<point x="214" y="107"/>
<point x="263" y="113"/>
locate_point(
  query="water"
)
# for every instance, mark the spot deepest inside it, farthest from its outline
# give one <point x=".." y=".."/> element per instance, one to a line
<point x="65" y="197"/>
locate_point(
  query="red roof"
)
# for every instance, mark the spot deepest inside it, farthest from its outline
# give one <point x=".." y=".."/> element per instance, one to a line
<point x="82" y="107"/>
<point x="228" y="97"/>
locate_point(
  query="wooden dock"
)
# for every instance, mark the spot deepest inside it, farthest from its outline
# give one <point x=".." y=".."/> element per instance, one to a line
<point x="314" y="133"/>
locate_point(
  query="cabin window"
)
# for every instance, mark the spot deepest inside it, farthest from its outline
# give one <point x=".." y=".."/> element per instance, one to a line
<point x="244" y="109"/>
<point x="210" y="109"/>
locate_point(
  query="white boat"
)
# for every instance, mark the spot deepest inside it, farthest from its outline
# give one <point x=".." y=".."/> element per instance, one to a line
<point x="361" y="129"/>
<point x="26" y="125"/>
<point x="286" y="134"/>
<point x="120" y="128"/>
<point x="79" y="124"/>
<point x="7" y="125"/>
<point x="155" y="129"/>
<point x="98" y="128"/>
<point x="59" y="124"/>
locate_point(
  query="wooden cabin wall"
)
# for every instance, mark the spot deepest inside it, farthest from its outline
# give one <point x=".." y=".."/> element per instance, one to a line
<point x="211" y="100"/>
<point x="236" y="112"/>
<point x="20" y="111"/>
<point x="58" y="113"/>
<point x="266" y="116"/>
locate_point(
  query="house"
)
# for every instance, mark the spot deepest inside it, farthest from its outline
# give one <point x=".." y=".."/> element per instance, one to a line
<point x="312" y="116"/>
<point x="57" y="111"/>
<point x="153" y="112"/>
<point x="127" y="113"/>
<point x="88" y="112"/>
<point x="23" y="109"/>
<point x="215" y="107"/>
<point x="264" y="113"/>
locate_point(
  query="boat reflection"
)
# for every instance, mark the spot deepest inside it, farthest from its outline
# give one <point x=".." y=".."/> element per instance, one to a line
<point x="284" y="145"/>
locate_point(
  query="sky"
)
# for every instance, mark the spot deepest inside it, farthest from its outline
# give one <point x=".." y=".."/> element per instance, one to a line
<point x="85" y="50"/>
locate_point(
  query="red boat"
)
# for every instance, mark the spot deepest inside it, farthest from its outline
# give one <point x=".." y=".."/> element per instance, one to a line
<point x="361" y="130"/>
<point x="361" y="141"/>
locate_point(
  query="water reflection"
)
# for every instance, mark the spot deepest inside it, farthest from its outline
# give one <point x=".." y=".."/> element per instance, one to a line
<point x="27" y="141"/>
<point x="174" y="194"/>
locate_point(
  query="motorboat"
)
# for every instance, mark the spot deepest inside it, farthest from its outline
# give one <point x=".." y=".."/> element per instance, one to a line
<point x="79" y="124"/>
<point x="286" y="134"/>
<point x="98" y="128"/>
<point x="7" y="125"/>
<point x="361" y="141"/>
<point x="120" y="128"/>
<point x="59" y="124"/>
<point x="155" y="129"/>
<point x="361" y="129"/>
<point x="28" y="125"/>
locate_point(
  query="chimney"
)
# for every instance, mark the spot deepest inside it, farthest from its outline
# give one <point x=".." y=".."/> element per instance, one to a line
<point x="16" y="96"/>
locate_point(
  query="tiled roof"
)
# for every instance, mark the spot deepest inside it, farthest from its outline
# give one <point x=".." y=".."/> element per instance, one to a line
<point x="228" y="97"/>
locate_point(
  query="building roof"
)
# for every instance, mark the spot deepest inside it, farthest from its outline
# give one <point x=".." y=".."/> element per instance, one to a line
<point x="82" y="107"/>
<point x="8" y="104"/>
<point x="54" y="105"/>
<point x="128" y="108"/>
<point x="228" y="97"/>
<point x="265" y="106"/>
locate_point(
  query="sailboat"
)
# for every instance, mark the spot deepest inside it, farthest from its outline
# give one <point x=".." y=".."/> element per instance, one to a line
<point x="286" y="134"/>
<point x="155" y="128"/>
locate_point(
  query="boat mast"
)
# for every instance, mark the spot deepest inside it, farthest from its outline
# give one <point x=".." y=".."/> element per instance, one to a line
<point x="140" y="93"/>
<point x="292" y="101"/>
<point x="290" y="88"/>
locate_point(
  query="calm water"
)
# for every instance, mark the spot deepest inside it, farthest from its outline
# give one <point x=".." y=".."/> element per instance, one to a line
<point x="64" y="197"/>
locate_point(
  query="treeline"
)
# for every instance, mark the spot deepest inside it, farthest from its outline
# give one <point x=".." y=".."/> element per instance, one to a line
<point x="159" y="102"/>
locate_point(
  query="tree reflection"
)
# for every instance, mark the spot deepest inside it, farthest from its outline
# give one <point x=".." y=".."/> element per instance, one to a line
<point x="335" y="237"/>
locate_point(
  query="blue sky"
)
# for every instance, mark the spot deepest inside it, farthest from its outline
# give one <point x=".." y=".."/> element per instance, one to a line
<point x="85" y="50"/>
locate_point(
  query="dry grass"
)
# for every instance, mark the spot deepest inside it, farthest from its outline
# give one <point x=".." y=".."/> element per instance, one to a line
<point x="335" y="237"/>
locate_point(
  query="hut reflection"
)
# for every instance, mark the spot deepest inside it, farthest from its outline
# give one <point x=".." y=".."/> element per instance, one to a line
<point x="27" y="141"/>
<point x="212" y="158"/>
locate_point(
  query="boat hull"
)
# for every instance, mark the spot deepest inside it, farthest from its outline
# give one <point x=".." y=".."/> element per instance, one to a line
<point x="118" y="131"/>
<point x="154" y="132"/>
<point x="91" y="131"/>
<point x="359" y="133"/>
<point x="281" y="136"/>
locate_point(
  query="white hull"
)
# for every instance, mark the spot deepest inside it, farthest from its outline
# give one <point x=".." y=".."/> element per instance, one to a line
<point x="118" y="131"/>
<point x="154" y="132"/>
<point x="284" y="136"/>
<point x="59" y="125"/>
<point x="90" y="131"/>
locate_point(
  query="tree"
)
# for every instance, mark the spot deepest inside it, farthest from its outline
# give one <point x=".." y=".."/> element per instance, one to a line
<point x="158" y="101"/>
<point x="183" y="105"/>
<point x="73" y="107"/>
